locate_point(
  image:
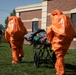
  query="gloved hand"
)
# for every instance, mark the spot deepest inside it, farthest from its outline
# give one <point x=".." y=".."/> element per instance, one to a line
<point x="43" y="39"/>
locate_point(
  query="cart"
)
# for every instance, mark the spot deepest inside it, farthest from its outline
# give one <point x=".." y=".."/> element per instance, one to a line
<point x="41" y="49"/>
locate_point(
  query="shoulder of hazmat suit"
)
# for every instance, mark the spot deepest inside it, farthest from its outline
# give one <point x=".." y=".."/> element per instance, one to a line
<point x="15" y="29"/>
<point x="61" y="32"/>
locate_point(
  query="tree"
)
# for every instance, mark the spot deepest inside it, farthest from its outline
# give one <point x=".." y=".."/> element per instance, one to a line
<point x="13" y="13"/>
<point x="6" y="22"/>
<point x="1" y="27"/>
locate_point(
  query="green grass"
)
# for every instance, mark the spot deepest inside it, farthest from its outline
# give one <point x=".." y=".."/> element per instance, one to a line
<point x="28" y="67"/>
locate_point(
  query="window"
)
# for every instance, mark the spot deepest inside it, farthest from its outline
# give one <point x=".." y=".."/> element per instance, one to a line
<point x="34" y="25"/>
<point x="73" y="16"/>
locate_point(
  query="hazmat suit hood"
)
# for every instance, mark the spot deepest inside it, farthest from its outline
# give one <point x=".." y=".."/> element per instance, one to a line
<point x="54" y="16"/>
<point x="15" y="24"/>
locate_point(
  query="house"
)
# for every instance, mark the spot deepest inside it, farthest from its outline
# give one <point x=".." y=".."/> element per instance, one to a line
<point x="38" y="15"/>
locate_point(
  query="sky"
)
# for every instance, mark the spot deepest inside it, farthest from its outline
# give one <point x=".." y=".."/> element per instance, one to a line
<point x="7" y="6"/>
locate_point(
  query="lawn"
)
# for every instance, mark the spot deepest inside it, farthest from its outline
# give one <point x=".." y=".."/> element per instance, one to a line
<point x="27" y="67"/>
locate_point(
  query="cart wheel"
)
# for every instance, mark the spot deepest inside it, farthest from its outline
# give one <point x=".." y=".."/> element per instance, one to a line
<point x="36" y="60"/>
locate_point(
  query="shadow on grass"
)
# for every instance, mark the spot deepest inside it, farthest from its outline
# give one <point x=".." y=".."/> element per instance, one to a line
<point x="41" y="65"/>
<point x="46" y="66"/>
<point x="70" y="69"/>
<point x="27" y="62"/>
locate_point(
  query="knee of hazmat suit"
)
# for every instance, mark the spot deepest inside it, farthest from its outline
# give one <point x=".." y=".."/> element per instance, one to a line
<point x="15" y="35"/>
<point x="60" y="34"/>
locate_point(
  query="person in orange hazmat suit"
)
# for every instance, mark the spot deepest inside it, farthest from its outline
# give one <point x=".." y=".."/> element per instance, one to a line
<point x="14" y="35"/>
<point x="60" y="34"/>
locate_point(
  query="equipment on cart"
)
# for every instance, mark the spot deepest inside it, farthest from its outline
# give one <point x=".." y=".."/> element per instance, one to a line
<point x="41" y="49"/>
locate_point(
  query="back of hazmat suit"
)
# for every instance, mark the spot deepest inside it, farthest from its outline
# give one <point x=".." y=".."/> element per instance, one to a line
<point x="60" y="34"/>
<point x="14" y="34"/>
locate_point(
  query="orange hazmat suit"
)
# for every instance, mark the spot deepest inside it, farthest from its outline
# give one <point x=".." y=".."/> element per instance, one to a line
<point x="15" y="35"/>
<point x="60" y="34"/>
